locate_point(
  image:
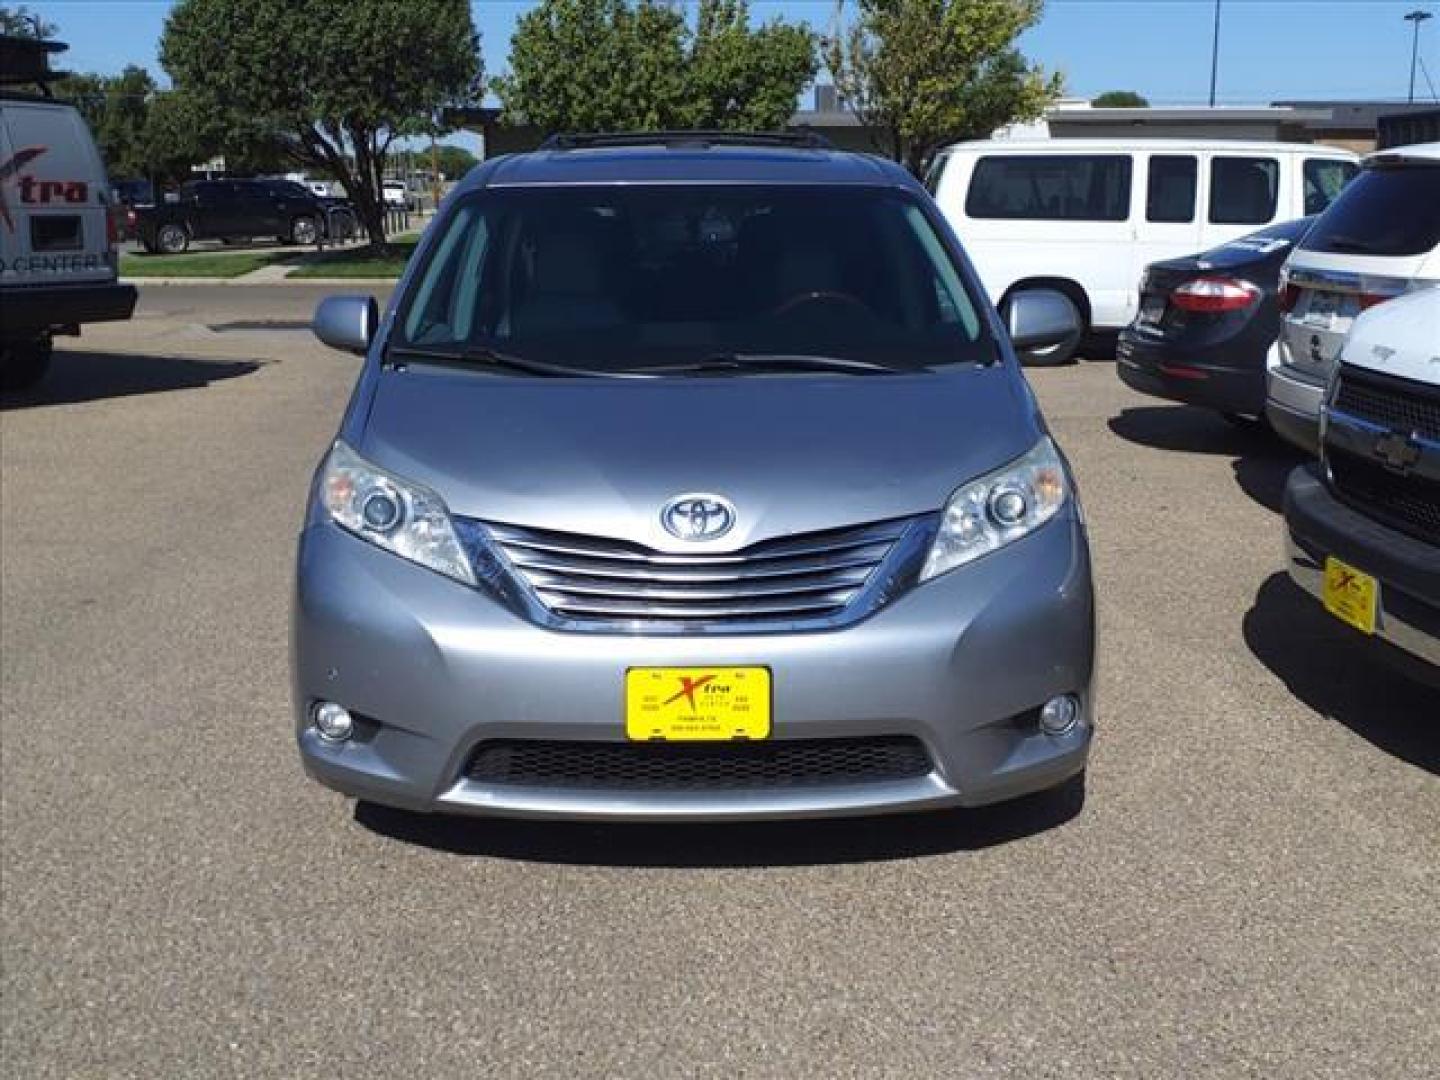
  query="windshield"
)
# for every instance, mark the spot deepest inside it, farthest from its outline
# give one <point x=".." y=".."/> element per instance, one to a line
<point x="1386" y="211"/>
<point x="628" y="278"/>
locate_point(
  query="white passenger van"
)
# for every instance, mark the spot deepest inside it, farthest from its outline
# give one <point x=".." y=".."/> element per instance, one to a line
<point x="1086" y="216"/>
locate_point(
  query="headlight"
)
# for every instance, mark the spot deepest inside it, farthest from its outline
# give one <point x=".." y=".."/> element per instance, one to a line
<point x="397" y="515"/>
<point x="997" y="509"/>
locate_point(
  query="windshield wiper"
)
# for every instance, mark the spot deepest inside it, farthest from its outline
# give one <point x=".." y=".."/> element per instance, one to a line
<point x="732" y="362"/>
<point x="483" y="356"/>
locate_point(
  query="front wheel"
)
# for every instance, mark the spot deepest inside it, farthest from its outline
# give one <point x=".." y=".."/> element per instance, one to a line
<point x="24" y="363"/>
<point x="172" y="239"/>
<point x="304" y="231"/>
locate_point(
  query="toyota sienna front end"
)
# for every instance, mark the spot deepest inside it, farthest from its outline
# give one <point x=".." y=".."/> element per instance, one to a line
<point x="691" y="481"/>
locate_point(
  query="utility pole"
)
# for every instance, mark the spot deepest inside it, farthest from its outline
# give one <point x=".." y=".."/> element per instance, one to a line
<point x="1417" y="17"/>
<point x="1215" y="53"/>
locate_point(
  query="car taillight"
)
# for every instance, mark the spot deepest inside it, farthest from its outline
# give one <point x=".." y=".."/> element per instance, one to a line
<point x="1214" y="295"/>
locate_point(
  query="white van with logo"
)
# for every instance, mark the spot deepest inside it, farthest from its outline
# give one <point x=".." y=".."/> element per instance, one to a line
<point x="58" y="220"/>
<point x="1086" y="216"/>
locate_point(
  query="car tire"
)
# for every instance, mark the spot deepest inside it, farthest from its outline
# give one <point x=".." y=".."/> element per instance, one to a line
<point x="24" y="363"/>
<point x="304" y="231"/>
<point x="172" y="239"/>
<point x="1062" y="354"/>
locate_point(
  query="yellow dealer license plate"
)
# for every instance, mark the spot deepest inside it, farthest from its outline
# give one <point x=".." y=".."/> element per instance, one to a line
<point x="1351" y="595"/>
<point x="697" y="704"/>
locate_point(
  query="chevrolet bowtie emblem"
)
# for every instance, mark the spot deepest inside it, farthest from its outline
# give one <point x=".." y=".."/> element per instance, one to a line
<point x="1397" y="451"/>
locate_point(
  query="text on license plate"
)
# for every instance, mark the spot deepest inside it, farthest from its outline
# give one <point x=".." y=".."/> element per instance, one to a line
<point x="712" y="704"/>
<point x="1350" y="595"/>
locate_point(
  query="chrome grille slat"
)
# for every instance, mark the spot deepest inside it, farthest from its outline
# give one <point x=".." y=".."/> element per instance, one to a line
<point x="647" y="610"/>
<point x="702" y="572"/>
<point x="573" y="585"/>
<point x="562" y="544"/>
<point x="598" y="580"/>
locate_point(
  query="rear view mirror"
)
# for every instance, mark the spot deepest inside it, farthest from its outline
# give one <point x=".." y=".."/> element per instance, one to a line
<point x="1041" y="319"/>
<point x="347" y="322"/>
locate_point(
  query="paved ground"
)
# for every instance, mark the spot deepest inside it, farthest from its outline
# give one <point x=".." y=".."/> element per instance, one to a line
<point x="1250" y="890"/>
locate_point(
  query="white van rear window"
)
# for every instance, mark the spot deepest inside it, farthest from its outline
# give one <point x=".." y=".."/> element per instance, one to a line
<point x="1062" y="187"/>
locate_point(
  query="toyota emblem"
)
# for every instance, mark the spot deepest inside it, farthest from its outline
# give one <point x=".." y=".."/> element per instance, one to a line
<point x="697" y="517"/>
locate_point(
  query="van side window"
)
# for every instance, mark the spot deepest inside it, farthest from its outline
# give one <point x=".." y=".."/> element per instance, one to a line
<point x="1243" y="190"/>
<point x="1324" y="180"/>
<point x="1170" y="195"/>
<point x="1068" y="187"/>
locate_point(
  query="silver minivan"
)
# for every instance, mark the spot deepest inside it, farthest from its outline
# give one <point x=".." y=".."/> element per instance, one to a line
<point x="692" y="478"/>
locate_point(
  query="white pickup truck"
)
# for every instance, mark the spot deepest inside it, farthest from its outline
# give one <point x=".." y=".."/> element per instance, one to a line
<point x="58" y="220"/>
<point x="1363" y="524"/>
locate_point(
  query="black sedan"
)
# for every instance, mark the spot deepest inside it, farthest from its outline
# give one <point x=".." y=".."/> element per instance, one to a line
<point x="1206" y="322"/>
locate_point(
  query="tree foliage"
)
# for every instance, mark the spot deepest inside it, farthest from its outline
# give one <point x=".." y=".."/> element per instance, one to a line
<point x="116" y="109"/>
<point x="20" y="21"/>
<point x="329" y="83"/>
<point x="627" y="65"/>
<point x="922" y="73"/>
<point x="1120" y="99"/>
<point x="455" y="161"/>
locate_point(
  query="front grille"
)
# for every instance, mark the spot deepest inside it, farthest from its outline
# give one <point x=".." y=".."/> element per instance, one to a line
<point x="1400" y="405"/>
<point x="734" y="766"/>
<point x="1409" y="502"/>
<point x="811" y="577"/>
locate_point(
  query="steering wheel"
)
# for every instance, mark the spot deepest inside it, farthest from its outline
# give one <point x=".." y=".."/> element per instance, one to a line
<point x="813" y="296"/>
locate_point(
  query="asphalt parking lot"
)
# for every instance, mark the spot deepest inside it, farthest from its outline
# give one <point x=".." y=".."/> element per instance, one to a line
<point x="1250" y="889"/>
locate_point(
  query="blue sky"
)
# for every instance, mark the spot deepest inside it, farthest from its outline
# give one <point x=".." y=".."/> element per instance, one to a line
<point x="1269" y="49"/>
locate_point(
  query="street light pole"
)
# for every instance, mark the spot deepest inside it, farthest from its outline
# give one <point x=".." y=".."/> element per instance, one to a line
<point x="1215" y="53"/>
<point x="1416" y="17"/>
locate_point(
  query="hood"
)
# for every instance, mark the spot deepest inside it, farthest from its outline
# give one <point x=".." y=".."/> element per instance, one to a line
<point x="793" y="454"/>
<point x="1400" y="337"/>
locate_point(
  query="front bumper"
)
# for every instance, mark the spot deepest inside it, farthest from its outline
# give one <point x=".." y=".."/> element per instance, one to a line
<point x="1319" y="525"/>
<point x="1192" y="376"/>
<point x="436" y="669"/>
<point x="29" y="308"/>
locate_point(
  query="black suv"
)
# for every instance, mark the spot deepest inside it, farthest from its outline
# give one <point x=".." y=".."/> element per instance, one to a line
<point x="232" y="210"/>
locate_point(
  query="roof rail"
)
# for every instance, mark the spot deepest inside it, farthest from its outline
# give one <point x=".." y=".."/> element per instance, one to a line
<point x="799" y="138"/>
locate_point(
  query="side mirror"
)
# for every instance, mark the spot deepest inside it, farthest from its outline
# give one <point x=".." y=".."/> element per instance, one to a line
<point x="347" y="322"/>
<point x="1041" y="319"/>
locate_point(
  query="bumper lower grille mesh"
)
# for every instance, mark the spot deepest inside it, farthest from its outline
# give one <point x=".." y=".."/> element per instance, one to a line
<point x="1409" y="502"/>
<point x="814" y="576"/>
<point x="591" y="766"/>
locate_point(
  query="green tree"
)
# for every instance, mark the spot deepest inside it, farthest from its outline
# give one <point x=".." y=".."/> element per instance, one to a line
<point x="1120" y="99"/>
<point x="455" y="161"/>
<point x="116" y="109"/>
<point x="331" y="84"/>
<point x="595" y="65"/>
<point x="744" y="79"/>
<point x="922" y="73"/>
<point x="20" y="21"/>
<point x="629" y="65"/>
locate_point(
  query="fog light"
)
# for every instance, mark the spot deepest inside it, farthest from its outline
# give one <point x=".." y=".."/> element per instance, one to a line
<point x="332" y="721"/>
<point x="1059" y="715"/>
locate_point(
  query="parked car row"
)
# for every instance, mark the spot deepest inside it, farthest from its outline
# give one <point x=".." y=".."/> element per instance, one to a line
<point x="1329" y="327"/>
